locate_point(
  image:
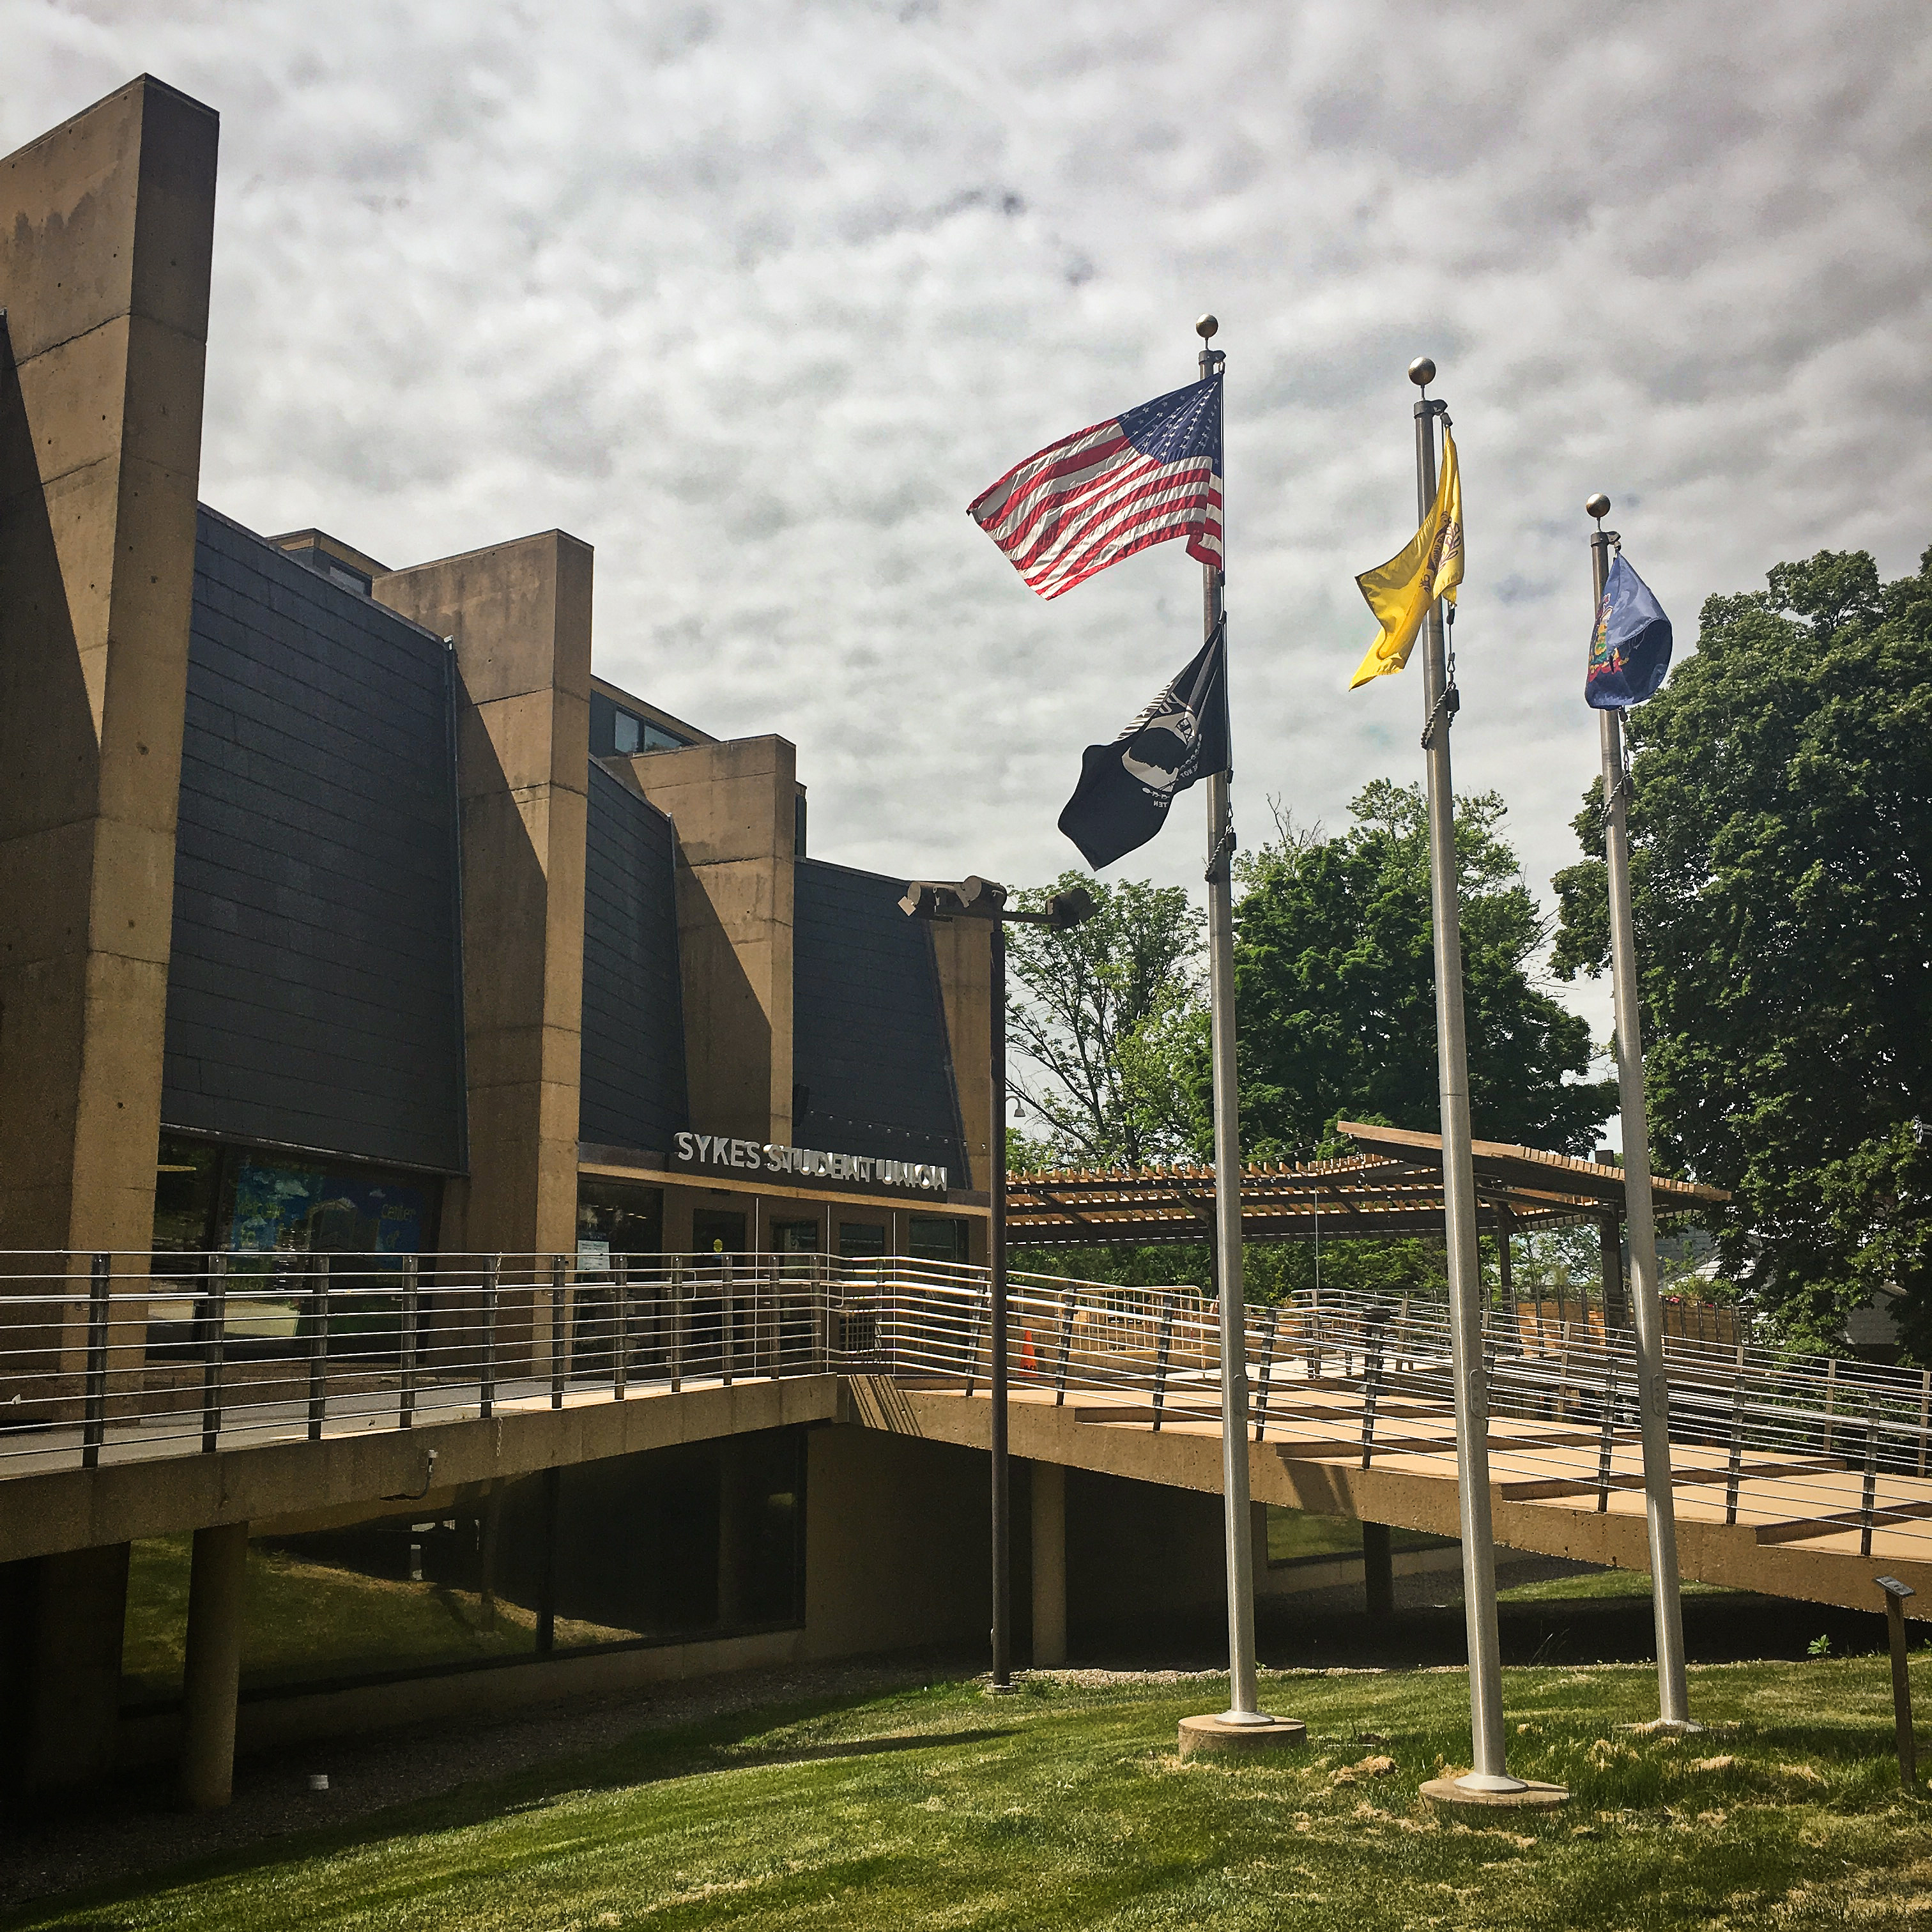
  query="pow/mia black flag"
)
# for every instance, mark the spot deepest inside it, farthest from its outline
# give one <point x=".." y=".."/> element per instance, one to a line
<point x="1125" y="787"/>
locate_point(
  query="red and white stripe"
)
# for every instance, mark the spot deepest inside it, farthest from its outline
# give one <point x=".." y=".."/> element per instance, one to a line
<point x="1092" y="498"/>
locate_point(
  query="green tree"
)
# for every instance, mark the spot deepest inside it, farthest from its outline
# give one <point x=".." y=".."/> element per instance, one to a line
<point x="1335" y="991"/>
<point x="1781" y="835"/>
<point x="1100" y="1014"/>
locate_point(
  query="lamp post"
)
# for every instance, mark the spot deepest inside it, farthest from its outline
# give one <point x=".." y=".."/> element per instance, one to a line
<point x="985" y="899"/>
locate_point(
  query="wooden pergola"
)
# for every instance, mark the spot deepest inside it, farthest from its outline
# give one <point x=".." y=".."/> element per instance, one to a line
<point x="1391" y="1186"/>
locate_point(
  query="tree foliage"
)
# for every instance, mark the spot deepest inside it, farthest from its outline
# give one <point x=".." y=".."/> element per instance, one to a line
<point x="1103" y="1014"/>
<point x="1335" y="985"/>
<point x="1781" y="834"/>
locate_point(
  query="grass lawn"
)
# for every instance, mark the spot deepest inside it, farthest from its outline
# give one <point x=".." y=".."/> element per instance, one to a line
<point x="1594" y="1585"/>
<point x="1066" y="1806"/>
<point x="302" y="1621"/>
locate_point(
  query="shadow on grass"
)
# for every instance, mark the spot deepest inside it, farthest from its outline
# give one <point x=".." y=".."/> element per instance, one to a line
<point x="648" y="1757"/>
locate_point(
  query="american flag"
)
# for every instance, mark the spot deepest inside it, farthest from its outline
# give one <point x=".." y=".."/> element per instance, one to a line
<point x="1102" y="494"/>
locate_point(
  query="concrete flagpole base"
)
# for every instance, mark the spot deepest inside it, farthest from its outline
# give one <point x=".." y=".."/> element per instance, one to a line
<point x="1515" y="1793"/>
<point x="1223" y="1732"/>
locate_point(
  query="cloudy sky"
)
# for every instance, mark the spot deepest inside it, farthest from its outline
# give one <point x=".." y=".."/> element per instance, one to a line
<point x="757" y="297"/>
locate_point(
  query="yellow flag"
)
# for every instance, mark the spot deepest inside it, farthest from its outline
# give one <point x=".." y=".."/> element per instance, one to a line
<point x="1429" y="566"/>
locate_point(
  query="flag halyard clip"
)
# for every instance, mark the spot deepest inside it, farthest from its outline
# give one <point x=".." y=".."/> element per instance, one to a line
<point x="1450" y="702"/>
<point x="1219" y="861"/>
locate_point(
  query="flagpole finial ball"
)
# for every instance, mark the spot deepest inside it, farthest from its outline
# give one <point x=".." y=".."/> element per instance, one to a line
<point x="1598" y="506"/>
<point x="1207" y="326"/>
<point x="1422" y="372"/>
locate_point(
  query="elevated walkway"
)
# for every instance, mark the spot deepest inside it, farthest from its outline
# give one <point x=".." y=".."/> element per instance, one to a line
<point x="273" y="1391"/>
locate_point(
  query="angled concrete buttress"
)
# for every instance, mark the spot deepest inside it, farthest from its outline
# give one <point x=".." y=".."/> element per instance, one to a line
<point x="519" y="615"/>
<point x="106" y="226"/>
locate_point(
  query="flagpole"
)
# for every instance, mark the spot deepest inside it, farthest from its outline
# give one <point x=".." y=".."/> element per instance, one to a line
<point x="1241" y="1695"/>
<point x="1489" y="1776"/>
<point x="1653" y="1383"/>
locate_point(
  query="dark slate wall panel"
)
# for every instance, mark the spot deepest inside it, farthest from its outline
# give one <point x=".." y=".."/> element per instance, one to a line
<point x="633" y="1092"/>
<point x="314" y="987"/>
<point x="869" y="1026"/>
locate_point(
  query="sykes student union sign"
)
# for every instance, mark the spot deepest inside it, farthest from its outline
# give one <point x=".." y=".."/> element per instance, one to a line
<point x="718" y="1153"/>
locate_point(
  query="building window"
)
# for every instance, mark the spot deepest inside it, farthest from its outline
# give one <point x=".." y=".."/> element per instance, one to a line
<point x="210" y="1197"/>
<point x="936" y="1238"/>
<point x="619" y="1217"/>
<point x="862" y="1241"/>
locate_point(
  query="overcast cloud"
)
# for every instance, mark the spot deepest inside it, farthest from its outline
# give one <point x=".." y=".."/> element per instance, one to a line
<point x="755" y="297"/>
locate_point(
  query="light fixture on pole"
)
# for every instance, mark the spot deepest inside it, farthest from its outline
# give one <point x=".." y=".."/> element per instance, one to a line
<point x="985" y="899"/>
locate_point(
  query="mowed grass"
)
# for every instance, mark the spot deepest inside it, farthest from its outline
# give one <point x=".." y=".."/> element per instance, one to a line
<point x="1066" y="1805"/>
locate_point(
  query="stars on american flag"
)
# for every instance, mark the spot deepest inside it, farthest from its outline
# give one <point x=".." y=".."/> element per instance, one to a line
<point x="1104" y="493"/>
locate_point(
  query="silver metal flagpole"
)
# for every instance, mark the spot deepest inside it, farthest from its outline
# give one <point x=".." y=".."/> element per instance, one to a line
<point x="1653" y="1381"/>
<point x="1228" y="1186"/>
<point x="1459" y="1174"/>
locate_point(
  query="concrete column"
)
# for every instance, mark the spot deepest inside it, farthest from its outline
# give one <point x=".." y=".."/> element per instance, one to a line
<point x="213" y="1676"/>
<point x="733" y="806"/>
<point x="733" y="1531"/>
<point x="1379" y="1569"/>
<point x="76" y="1614"/>
<point x="1049" y="1565"/>
<point x="897" y="1539"/>
<point x="552" y="1481"/>
<point x="519" y="614"/>
<point x="104" y="259"/>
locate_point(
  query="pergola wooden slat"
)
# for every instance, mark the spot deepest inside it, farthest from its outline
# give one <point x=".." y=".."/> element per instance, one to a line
<point x="1392" y="1185"/>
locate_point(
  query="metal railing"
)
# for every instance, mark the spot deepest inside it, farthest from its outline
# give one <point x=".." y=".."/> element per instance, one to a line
<point x="109" y="1357"/>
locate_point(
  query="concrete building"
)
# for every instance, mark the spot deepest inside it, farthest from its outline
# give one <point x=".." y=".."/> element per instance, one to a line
<point x="327" y="881"/>
<point x="344" y="907"/>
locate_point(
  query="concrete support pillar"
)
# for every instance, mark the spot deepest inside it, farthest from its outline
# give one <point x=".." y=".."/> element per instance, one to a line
<point x="213" y="1676"/>
<point x="74" y="1612"/>
<point x="104" y="260"/>
<point x="519" y="615"/>
<point x="734" y="1535"/>
<point x="552" y="1481"/>
<point x="1049" y="1565"/>
<point x="1379" y="1569"/>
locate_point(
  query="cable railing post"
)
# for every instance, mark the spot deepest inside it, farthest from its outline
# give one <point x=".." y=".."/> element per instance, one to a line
<point x="1603" y="1447"/>
<point x="1164" y="1343"/>
<point x="821" y="1326"/>
<point x="412" y="1313"/>
<point x="979" y="1308"/>
<point x="94" y="1424"/>
<point x="493" y="1273"/>
<point x="1925" y="1413"/>
<point x="1266" y="1373"/>
<point x="1372" y="1383"/>
<point x="559" y="1330"/>
<point x="727" y="1326"/>
<point x="1069" y="1306"/>
<point x="1870" y="1496"/>
<point x="620" y="1373"/>
<point x="1734" y="1468"/>
<point x="677" y="1326"/>
<point x="1831" y="1392"/>
<point x="318" y="1344"/>
<point x="1315" y="1335"/>
<point x="774" y="1352"/>
<point x="214" y="1344"/>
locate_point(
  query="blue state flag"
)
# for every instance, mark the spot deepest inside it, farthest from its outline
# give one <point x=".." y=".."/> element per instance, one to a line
<point x="1629" y="650"/>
